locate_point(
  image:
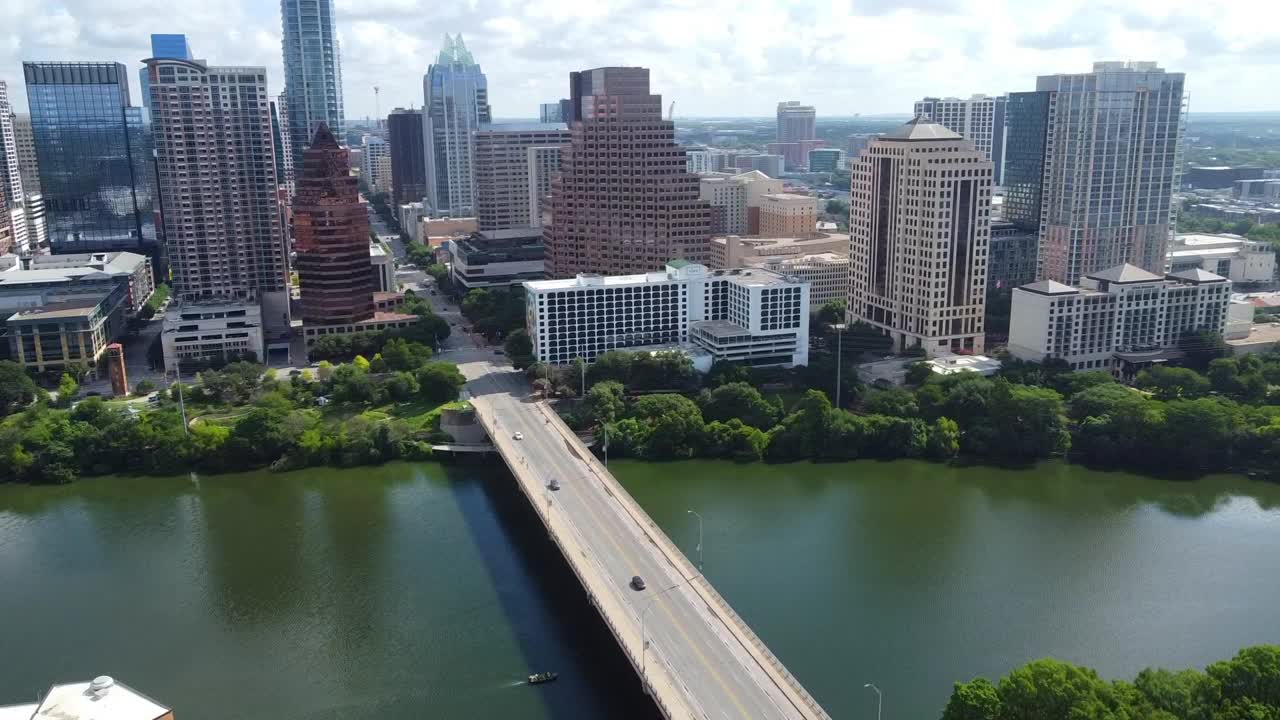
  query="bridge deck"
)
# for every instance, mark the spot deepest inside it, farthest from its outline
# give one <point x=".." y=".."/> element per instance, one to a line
<point x="694" y="655"/>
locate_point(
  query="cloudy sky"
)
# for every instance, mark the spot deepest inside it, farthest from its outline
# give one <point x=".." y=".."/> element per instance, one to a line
<point x="713" y="57"/>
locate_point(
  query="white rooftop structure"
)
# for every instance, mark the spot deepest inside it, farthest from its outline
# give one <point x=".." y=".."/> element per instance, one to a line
<point x="1236" y="258"/>
<point x="102" y="698"/>
<point x="952" y="364"/>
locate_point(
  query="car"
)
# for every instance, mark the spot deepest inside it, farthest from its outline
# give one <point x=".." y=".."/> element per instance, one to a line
<point x="518" y="436"/>
<point x="637" y="583"/>
<point x="554" y="484"/>
<point x="295" y="372"/>
<point x="499" y="351"/>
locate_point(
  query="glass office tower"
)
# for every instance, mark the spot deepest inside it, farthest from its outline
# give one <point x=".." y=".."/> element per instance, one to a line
<point x="1026" y="127"/>
<point x="312" y="71"/>
<point x="93" y="153"/>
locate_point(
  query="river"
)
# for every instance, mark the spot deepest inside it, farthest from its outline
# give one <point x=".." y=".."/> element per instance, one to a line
<point x="429" y="591"/>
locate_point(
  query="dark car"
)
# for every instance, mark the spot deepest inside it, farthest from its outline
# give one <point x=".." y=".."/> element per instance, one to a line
<point x="637" y="582"/>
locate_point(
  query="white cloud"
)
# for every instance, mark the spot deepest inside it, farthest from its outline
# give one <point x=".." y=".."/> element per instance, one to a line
<point x="713" y="57"/>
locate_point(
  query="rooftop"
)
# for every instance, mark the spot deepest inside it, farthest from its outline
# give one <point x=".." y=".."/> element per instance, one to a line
<point x="1197" y="275"/>
<point x="921" y="128"/>
<point x="1049" y="287"/>
<point x="1194" y="239"/>
<point x="1125" y="273"/>
<point x="524" y="127"/>
<point x="1259" y="333"/>
<point x="720" y="328"/>
<point x="79" y="307"/>
<point x="101" y="699"/>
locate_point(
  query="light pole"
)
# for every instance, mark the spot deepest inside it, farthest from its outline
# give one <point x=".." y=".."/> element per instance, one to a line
<point x="879" y="698"/>
<point x="839" y="358"/>
<point x="695" y="514"/>
<point x="644" y="644"/>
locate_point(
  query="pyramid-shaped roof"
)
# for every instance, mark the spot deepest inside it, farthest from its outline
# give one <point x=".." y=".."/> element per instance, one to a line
<point x="1197" y="275"/>
<point x="324" y="138"/>
<point x="1125" y="273"/>
<point x="1049" y="287"/>
<point x="921" y="128"/>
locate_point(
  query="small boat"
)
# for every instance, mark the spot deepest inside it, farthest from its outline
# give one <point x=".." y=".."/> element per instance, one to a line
<point x="542" y="677"/>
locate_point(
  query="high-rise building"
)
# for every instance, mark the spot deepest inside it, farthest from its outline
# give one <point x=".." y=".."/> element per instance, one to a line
<point x="514" y="164"/>
<point x="375" y="164"/>
<point x="626" y="210"/>
<point x="979" y="119"/>
<point x="456" y="104"/>
<point x="331" y="234"/>
<point x="795" y="122"/>
<point x="408" y="156"/>
<point x="826" y="160"/>
<point x="1113" y="158"/>
<point x="919" y="226"/>
<point x="162" y="46"/>
<point x="1026" y="129"/>
<point x="28" y="166"/>
<point x="13" y="210"/>
<point x="283" y="156"/>
<point x="312" y="71"/>
<point x="93" y="155"/>
<point x="222" y="216"/>
<point x="551" y="112"/>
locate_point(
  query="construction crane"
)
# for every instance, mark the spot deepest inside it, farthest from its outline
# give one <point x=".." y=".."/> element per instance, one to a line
<point x="377" y="106"/>
<point x="671" y="110"/>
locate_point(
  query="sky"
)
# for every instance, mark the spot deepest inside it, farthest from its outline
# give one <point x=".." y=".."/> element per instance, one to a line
<point x="712" y="57"/>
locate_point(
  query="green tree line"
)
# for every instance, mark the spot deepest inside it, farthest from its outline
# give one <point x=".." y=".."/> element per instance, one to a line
<point x="1246" y="687"/>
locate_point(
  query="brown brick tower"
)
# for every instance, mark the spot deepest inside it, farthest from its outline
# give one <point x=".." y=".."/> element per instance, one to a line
<point x="331" y="229"/>
<point x="623" y="202"/>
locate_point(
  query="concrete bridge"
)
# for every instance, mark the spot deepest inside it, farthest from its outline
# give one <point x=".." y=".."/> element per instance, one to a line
<point x="693" y="654"/>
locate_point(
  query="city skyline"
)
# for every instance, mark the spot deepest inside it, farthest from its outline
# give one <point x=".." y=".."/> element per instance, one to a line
<point x="530" y="48"/>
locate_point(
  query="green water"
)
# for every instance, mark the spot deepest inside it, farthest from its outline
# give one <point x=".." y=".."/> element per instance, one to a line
<point x="429" y="591"/>
<point x="398" y="591"/>
<point x="912" y="575"/>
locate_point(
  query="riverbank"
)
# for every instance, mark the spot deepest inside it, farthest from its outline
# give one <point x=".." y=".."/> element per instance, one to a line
<point x="239" y="418"/>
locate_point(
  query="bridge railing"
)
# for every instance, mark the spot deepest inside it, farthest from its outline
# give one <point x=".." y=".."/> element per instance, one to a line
<point x="698" y="580"/>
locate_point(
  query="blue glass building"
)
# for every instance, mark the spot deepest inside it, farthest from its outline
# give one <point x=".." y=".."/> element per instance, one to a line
<point x="312" y="73"/>
<point x="93" y="151"/>
<point x="455" y="105"/>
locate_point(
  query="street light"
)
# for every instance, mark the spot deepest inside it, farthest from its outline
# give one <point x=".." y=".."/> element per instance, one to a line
<point x="879" y="698"/>
<point x="644" y="644"/>
<point x="839" y="355"/>
<point x="691" y="512"/>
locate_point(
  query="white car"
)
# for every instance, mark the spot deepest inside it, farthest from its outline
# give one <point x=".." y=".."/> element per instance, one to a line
<point x="518" y="436"/>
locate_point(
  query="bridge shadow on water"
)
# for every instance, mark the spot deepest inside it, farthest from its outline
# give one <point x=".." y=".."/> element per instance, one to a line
<point x="556" y="626"/>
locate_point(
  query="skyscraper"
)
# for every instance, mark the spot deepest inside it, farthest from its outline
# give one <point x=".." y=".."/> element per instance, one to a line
<point x="221" y="209"/>
<point x="919" y="226"/>
<point x="312" y="71"/>
<point x="162" y="46"/>
<point x="375" y="163"/>
<point x="796" y="122"/>
<point x="979" y="119"/>
<point x="514" y="164"/>
<point x="1026" y="129"/>
<point x="408" y="156"/>
<point x="284" y="145"/>
<point x="12" y="211"/>
<point x="331" y="230"/>
<point x="629" y="209"/>
<point x="456" y="103"/>
<point x="93" y="154"/>
<point x="28" y="166"/>
<point x="1113" y="159"/>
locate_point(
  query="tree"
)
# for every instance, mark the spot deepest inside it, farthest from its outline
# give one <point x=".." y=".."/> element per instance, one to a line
<point x="894" y="402"/>
<point x="723" y="372"/>
<point x="742" y="402"/>
<point x="17" y="389"/>
<point x="1202" y="347"/>
<point x="919" y="373"/>
<point x="144" y="387"/>
<point x="1171" y="383"/>
<point x="944" y="439"/>
<point x="605" y="402"/>
<point x="974" y="700"/>
<point x="67" y="389"/>
<point x="613" y="365"/>
<point x="400" y="354"/>
<point x="832" y="312"/>
<point x="519" y="347"/>
<point x="351" y="383"/>
<point x="440" y="381"/>
<point x="1054" y="690"/>
<point x="402" y="386"/>
<point x="361" y="364"/>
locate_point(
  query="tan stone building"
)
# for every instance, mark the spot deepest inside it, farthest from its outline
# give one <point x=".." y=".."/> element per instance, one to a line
<point x="788" y="215"/>
<point x="919" y="226"/>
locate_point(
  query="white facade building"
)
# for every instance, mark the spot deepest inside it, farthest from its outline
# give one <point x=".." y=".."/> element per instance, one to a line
<point x="749" y="315"/>
<point x="826" y="273"/>
<point x="375" y="163"/>
<point x="919" y="227"/>
<point x="1119" y="314"/>
<point x="196" y="333"/>
<point x="410" y="214"/>
<point x="980" y="119"/>
<point x="736" y="200"/>
<point x="1236" y="258"/>
<point x="384" y="272"/>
